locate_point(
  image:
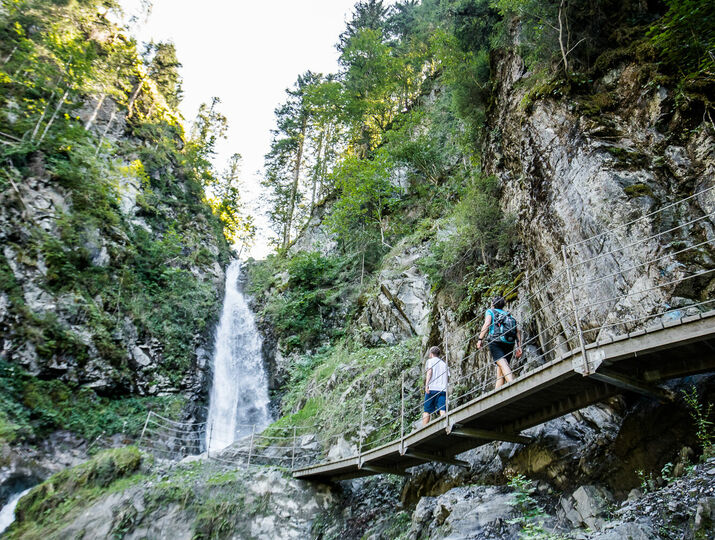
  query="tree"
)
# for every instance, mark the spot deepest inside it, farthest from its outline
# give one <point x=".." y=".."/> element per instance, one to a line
<point x="366" y="199"/>
<point x="225" y="200"/>
<point x="208" y="127"/>
<point x="285" y="161"/>
<point x="369" y="14"/>
<point x="163" y="69"/>
<point x="686" y="36"/>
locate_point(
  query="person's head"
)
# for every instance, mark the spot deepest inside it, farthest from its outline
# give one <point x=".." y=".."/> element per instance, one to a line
<point x="434" y="352"/>
<point x="498" y="302"/>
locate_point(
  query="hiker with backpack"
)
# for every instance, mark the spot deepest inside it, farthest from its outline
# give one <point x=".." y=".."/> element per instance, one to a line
<point x="504" y="339"/>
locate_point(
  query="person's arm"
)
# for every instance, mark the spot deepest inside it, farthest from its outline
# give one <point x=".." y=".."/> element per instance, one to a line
<point x="428" y="378"/>
<point x="484" y="330"/>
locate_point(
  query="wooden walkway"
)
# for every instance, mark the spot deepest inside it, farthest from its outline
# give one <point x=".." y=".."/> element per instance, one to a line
<point x="635" y="362"/>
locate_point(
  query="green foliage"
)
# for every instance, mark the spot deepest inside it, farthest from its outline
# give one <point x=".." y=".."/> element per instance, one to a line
<point x="473" y="260"/>
<point x="647" y="481"/>
<point x="302" y="312"/>
<point x="702" y="418"/>
<point x="352" y="371"/>
<point x="366" y="198"/>
<point x="531" y="514"/>
<point x="685" y="36"/>
<point x="31" y="407"/>
<point x="58" y="58"/>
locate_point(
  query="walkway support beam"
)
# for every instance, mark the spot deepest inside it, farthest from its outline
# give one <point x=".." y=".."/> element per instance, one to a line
<point x="433" y="457"/>
<point x="490" y="435"/>
<point x="633" y="385"/>
<point x="385" y="470"/>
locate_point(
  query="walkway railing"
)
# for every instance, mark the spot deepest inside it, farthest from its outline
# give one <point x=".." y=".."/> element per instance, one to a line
<point x="583" y="296"/>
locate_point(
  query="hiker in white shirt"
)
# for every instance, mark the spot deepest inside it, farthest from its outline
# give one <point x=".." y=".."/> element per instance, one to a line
<point x="435" y="385"/>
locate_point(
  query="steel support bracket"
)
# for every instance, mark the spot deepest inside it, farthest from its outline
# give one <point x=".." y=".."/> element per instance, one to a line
<point x="594" y="359"/>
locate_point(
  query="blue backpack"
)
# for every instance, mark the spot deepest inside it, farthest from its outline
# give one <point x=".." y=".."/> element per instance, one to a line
<point x="503" y="326"/>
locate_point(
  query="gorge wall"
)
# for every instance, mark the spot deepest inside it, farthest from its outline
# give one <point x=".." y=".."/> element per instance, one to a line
<point x="457" y="191"/>
<point x="111" y="266"/>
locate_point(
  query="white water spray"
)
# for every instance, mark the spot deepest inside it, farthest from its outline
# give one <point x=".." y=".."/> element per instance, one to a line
<point x="239" y="394"/>
<point x="7" y="514"/>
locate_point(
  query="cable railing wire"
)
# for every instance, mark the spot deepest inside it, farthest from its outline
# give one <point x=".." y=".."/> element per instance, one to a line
<point x="558" y="341"/>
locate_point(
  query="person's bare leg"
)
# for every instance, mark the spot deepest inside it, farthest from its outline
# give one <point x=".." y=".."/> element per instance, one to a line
<point x="442" y="413"/>
<point x="425" y="418"/>
<point x="500" y="377"/>
<point x="506" y="370"/>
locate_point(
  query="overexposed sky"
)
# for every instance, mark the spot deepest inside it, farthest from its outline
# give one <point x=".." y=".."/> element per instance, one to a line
<point x="247" y="54"/>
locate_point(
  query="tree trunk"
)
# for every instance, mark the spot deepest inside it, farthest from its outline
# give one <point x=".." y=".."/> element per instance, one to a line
<point x="42" y="117"/>
<point x="54" y="115"/>
<point x="95" y="112"/>
<point x="106" y="129"/>
<point x="7" y="58"/>
<point x="318" y="170"/>
<point x="562" y="15"/>
<point x="296" y="177"/>
<point x="133" y="98"/>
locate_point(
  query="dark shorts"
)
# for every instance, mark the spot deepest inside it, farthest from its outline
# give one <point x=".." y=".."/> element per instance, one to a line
<point x="499" y="350"/>
<point x="435" y="401"/>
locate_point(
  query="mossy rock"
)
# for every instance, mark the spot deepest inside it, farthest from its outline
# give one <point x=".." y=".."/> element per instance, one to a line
<point x="94" y="475"/>
<point x="597" y="104"/>
<point x="628" y="159"/>
<point x="638" y="190"/>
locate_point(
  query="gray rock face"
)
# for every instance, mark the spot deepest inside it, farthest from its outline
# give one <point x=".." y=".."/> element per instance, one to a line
<point x="566" y="179"/>
<point x="263" y="503"/>
<point x="464" y="512"/>
<point x="400" y="304"/>
<point x="39" y="202"/>
<point x="315" y="236"/>
<point x="588" y="506"/>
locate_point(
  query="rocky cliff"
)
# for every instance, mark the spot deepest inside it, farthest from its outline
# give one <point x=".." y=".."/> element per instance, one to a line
<point x="111" y="266"/>
<point x="598" y="154"/>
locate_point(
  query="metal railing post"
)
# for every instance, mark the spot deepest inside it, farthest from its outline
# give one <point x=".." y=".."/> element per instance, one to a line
<point x="208" y="442"/>
<point x="362" y="422"/>
<point x="446" y="374"/>
<point x="146" y="423"/>
<point x="292" y="454"/>
<point x="250" y="446"/>
<point x="402" y="413"/>
<point x="582" y="343"/>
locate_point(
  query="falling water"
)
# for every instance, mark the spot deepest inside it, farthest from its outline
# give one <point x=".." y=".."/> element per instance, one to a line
<point x="7" y="514"/>
<point x="239" y="395"/>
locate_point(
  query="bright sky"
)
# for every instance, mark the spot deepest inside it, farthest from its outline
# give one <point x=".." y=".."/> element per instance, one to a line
<point x="247" y="54"/>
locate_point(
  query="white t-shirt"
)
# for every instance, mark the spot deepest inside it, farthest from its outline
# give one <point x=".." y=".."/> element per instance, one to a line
<point x="438" y="382"/>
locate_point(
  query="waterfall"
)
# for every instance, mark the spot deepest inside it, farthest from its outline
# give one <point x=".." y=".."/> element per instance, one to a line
<point x="239" y="393"/>
<point x="7" y="514"/>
